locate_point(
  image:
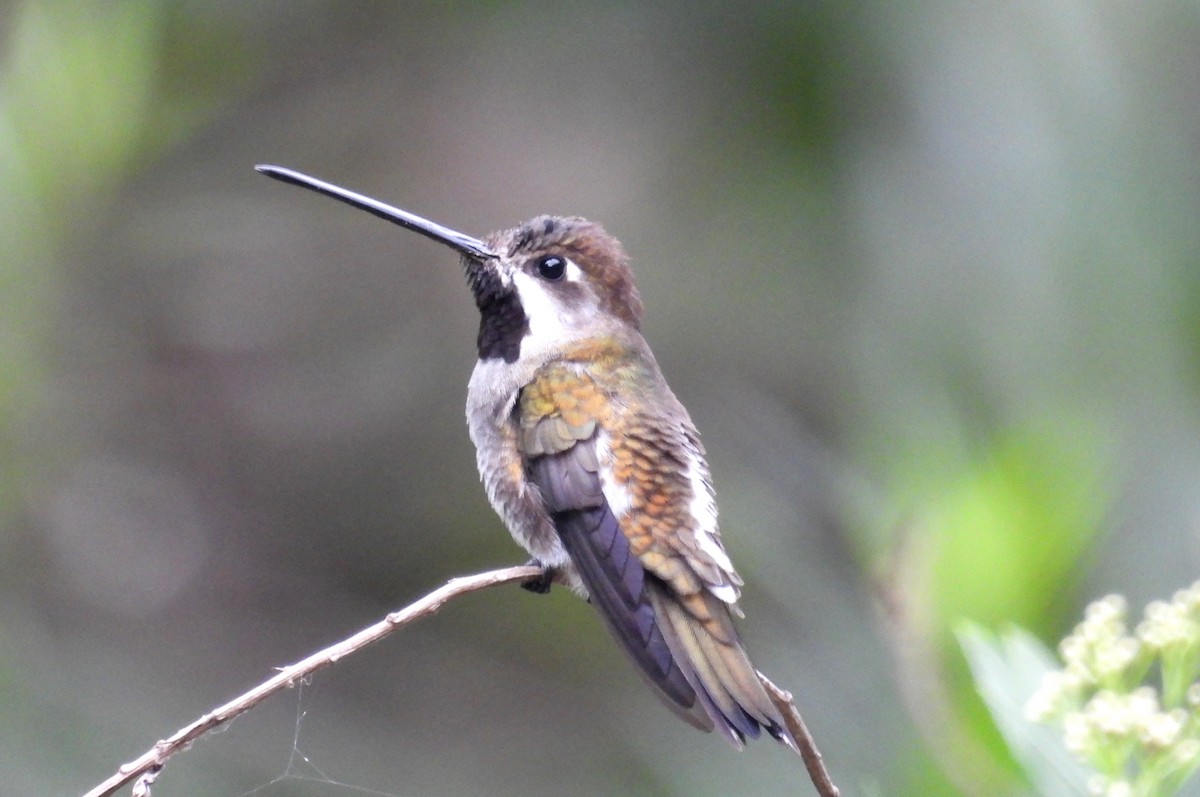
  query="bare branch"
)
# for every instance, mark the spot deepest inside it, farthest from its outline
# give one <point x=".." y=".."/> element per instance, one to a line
<point x="147" y="766"/>
<point x="143" y="770"/>
<point x="813" y="761"/>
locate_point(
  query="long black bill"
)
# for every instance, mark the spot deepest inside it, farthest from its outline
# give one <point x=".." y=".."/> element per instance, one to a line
<point x="471" y="247"/>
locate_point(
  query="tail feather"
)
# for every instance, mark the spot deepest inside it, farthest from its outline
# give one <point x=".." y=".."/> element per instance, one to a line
<point x="705" y="663"/>
<point x="725" y="682"/>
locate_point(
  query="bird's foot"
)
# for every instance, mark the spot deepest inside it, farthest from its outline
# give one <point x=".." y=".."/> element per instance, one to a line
<point x="540" y="584"/>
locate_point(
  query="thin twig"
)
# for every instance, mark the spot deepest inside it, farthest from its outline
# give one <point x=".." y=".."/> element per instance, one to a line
<point x="147" y="766"/>
<point x="813" y="761"/>
<point x="143" y="770"/>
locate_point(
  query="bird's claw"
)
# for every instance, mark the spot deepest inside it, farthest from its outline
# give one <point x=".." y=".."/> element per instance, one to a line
<point x="539" y="584"/>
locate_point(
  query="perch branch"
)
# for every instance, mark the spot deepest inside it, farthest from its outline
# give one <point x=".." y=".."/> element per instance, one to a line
<point x="146" y="767"/>
<point x="813" y="761"/>
<point x="143" y="770"/>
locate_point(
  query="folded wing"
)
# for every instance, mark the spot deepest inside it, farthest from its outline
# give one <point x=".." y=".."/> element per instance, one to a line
<point x="662" y="588"/>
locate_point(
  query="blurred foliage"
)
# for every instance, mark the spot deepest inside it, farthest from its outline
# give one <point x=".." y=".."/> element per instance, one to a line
<point x="998" y="538"/>
<point x="1008" y="668"/>
<point x="83" y="101"/>
<point x="925" y="275"/>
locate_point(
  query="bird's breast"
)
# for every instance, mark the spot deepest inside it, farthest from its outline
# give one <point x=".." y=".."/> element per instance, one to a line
<point x="491" y="397"/>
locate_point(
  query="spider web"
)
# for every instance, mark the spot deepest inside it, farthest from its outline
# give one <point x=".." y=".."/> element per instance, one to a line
<point x="301" y="770"/>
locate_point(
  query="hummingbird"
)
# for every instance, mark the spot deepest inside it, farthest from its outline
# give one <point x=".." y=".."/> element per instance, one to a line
<point x="592" y="462"/>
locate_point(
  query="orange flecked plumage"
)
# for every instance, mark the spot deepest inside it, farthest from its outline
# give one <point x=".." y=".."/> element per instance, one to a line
<point x="564" y="406"/>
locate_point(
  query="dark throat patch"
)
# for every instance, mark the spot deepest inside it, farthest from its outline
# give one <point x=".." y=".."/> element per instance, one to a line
<point x="502" y="320"/>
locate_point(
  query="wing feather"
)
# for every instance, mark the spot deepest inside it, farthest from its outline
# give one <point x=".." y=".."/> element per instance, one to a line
<point x="615" y="579"/>
<point x="633" y="509"/>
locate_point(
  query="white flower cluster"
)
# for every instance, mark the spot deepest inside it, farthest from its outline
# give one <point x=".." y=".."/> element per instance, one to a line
<point x="1096" y="655"/>
<point x="1174" y="626"/>
<point x="1141" y="742"/>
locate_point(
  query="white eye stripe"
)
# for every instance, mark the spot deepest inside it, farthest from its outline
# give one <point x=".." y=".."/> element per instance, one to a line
<point x="574" y="273"/>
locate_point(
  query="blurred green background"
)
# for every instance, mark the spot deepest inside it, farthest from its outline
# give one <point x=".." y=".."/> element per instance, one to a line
<point x="927" y="276"/>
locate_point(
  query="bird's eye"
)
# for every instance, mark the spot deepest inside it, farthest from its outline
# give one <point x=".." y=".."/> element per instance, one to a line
<point x="551" y="267"/>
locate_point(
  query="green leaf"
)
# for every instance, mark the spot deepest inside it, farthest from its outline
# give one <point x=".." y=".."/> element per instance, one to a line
<point x="1007" y="670"/>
